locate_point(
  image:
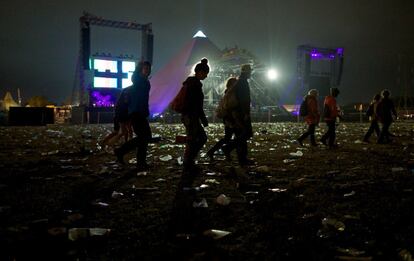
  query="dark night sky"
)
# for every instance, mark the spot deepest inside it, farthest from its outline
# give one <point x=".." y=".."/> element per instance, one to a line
<point x="39" y="39"/>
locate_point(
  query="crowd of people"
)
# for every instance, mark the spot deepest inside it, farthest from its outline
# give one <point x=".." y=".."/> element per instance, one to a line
<point x="132" y="111"/>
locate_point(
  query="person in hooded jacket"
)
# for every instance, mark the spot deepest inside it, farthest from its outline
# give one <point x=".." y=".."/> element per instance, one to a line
<point x="137" y="98"/>
<point x="331" y="112"/>
<point x="312" y="118"/>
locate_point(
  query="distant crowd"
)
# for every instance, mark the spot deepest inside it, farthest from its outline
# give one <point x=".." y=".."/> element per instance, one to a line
<point x="132" y="111"/>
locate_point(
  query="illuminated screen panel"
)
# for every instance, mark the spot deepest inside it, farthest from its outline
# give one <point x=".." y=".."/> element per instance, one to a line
<point x="127" y="67"/>
<point x="105" y="65"/>
<point x="127" y="82"/>
<point x="103" y="82"/>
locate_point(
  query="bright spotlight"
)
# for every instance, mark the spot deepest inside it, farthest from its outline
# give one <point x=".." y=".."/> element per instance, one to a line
<point x="272" y="74"/>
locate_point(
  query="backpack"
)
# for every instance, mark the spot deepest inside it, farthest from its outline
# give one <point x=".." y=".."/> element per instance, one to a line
<point x="178" y="104"/>
<point x="303" y="109"/>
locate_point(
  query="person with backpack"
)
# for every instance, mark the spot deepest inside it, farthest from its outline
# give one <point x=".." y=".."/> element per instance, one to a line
<point x="310" y="110"/>
<point x="137" y="97"/>
<point x="241" y="115"/>
<point x="189" y="102"/>
<point x="330" y="112"/>
<point x="223" y="112"/>
<point x="385" y="113"/>
<point x="372" y="114"/>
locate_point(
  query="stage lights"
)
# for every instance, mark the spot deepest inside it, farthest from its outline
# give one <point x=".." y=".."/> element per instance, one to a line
<point x="272" y="74"/>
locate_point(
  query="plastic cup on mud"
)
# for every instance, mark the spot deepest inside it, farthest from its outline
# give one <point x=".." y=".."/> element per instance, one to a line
<point x="99" y="231"/>
<point x="223" y="200"/>
<point x="78" y="233"/>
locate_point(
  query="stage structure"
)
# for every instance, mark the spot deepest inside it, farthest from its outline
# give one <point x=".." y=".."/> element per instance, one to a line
<point x="319" y="68"/>
<point x="109" y="76"/>
<point x="101" y="77"/>
<point x="229" y="65"/>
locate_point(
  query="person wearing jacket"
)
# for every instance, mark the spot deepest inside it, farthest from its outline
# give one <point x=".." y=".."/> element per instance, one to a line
<point x="331" y="112"/>
<point x="385" y="113"/>
<point x="228" y="126"/>
<point x="372" y="114"/>
<point x="241" y="115"/>
<point x="137" y="97"/>
<point x="193" y="115"/>
<point x="122" y="125"/>
<point x="312" y="118"/>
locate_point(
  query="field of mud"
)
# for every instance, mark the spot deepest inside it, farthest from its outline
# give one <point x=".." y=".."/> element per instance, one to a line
<point x="63" y="197"/>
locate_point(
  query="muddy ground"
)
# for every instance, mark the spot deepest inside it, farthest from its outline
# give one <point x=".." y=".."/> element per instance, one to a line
<point x="350" y="203"/>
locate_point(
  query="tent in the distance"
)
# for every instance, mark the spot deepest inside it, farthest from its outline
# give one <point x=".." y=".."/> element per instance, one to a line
<point x="166" y="83"/>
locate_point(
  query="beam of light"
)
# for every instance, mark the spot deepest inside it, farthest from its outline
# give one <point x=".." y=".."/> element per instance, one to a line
<point x="272" y="74"/>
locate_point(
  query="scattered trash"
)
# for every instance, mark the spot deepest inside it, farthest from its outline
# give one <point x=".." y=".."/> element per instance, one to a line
<point x="99" y="231"/>
<point x="132" y="161"/>
<point x="349" y="194"/>
<point x="160" y="180"/>
<point x="223" y="200"/>
<point x="180" y="161"/>
<point x="350" y="251"/>
<point x="142" y="173"/>
<point x="277" y="190"/>
<point x="166" y="158"/>
<point x="212" y="181"/>
<point x="201" y="204"/>
<point x="145" y="189"/>
<point x="211" y="174"/>
<point x="116" y="194"/>
<point x="352" y="217"/>
<point x="288" y="160"/>
<point x="215" y="234"/>
<point x="203" y="186"/>
<point x="53" y="133"/>
<point x="191" y="188"/>
<point x="308" y="215"/>
<point x="358" y="142"/>
<point x="296" y="154"/>
<point x="252" y="192"/>
<point x="75" y="234"/>
<point x="101" y="204"/>
<point x="53" y="152"/>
